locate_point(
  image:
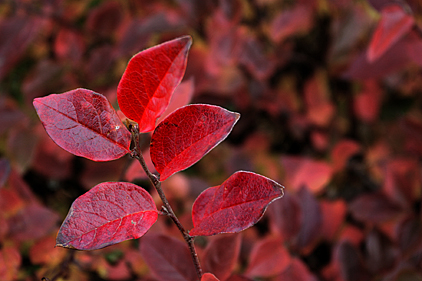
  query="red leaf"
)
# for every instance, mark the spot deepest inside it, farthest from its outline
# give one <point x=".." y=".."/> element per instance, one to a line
<point x="85" y="124"/>
<point x="286" y="215"/>
<point x="235" y="205"/>
<point x="181" y="97"/>
<point x="209" y="277"/>
<point x="4" y="171"/>
<point x="221" y="255"/>
<point x="168" y="258"/>
<point x="342" y="152"/>
<point x="109" y="213"/>
<point x="10" y="260"/>
<point x="187" y="134"/>
<point x="32" y="222"/>
<point x="374" y="208"/>
<point x="394" y="24"/>
<point x="302" y="171"/>
<point x="269" y="257"/>
<point x="149" y="80"/>
<point x="297" y="271"/>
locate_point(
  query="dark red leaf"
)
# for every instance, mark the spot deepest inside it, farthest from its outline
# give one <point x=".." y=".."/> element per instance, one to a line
<point x="149" y="80"/>
<point x="374" y="208"/>
<point x="85" y="124"/>
<point x="187" y="134"/>
<point x="168" y="258"/>
<point x="394" y="24"/>
<point x="367" y="103"/>
<point x="209" y="277"/>
<point x="297" y="271"/>
<point x="109" y="213"/>
<point x="286" y="215"/>
<point x="4" y="171"/>
<point x="269" y="257"/>
<point x="221" y="255"/>
<point x="333" y="215"/>
<point x="235" y="205"/>
<point x="32" y="222"/>
<point x="341" y="153"/>
<point x="311" y="221"/>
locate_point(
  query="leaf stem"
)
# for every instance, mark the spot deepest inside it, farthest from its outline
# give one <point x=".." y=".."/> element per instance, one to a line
<point x="155" y="180"/>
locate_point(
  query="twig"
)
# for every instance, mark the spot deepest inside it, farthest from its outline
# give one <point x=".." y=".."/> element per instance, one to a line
<point x="155" y="180"/>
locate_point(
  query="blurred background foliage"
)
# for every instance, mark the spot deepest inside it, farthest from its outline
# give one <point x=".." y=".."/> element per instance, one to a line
<point x="340" y="129"/>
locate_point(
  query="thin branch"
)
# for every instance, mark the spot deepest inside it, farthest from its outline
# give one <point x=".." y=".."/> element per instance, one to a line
<point x="167" y="210"/>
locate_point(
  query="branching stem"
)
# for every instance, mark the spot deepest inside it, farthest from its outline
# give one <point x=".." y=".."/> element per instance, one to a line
<point x="155" y="180"/>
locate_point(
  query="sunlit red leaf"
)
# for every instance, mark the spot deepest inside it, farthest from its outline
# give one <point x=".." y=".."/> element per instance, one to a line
<point x="181" y="97"/>
<point x="235" y="205"/>
<point x="209" y="277"/>
<point x="168" y="258"/>
<point x="187" y="134"/>
<point x="109" y="213"/>
<point x="85" y="124"/>
<point x="221" y="255"/>
<point x="268" y="258"/>
<point x="149" y="80"/>
<point x="394" y="24"/>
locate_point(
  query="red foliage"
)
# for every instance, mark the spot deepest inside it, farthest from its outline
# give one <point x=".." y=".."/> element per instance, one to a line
<point x="88" y="120"/>
<point x="152" y="90"/>
<point x="235" y="205"/>
<point x="187" y="134"/>
<point x="109" y="213"/>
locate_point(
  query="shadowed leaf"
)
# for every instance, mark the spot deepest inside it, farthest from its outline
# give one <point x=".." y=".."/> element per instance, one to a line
<point x="168" y="258"/>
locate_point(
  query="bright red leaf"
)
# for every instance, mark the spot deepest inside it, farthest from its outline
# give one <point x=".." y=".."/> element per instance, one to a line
<point x="209" y="277"/>
<point x="85" y="124"/>
<point x="149" y="80"/>
<point x="109" y="213"/>
<point x="235" y="205"/>
<point x="187" y="134"/>
<point x="269" y="257"/>
<point x="221" y="255"/>
<point x="168" y="258"/>
<point x="394" y="24"/>
<point x="181" y="97"/>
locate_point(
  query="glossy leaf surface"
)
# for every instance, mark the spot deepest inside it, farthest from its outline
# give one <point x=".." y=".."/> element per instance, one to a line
<point x="109" y="213"/>
<point x="149" y="80"/>
<point x="394" y="24"/>
<point x="168" y="258"/>
<point x="84" y="123"/>
<point x="209" y="277"/>
<point x="235" y="205"/>
<point x="187" y="134"/>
